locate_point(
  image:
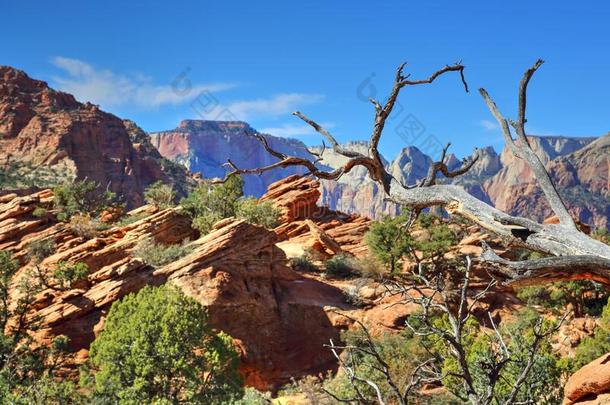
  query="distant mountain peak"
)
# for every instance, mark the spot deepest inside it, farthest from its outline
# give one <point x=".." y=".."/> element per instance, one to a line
<point x="204" y="147"/>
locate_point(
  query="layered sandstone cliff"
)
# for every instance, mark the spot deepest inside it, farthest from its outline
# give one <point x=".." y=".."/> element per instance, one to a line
<point x="205" y="147"/>
<point x="279" y="318"/>
<point x="47" y="137"/>
<point x="579" y="167"/>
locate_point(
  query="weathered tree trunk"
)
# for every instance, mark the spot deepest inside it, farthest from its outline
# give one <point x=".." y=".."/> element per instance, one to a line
<point x="575" y="255"/>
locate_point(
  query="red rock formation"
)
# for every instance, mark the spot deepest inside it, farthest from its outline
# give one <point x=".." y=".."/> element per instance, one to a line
<point x="579" y="167"/>
<point x="113" y="272"/>
<point x="41" y="127"/>
<point x="590" y="385"/>
<point x="305" y="225"/>
<point x="204" y="147"/>
<point x="280" y="318"/>
<point x="276" y="315"/>
<point x="295" y="196"/>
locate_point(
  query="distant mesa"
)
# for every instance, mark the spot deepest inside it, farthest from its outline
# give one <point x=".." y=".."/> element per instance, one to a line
<point x="204" y="146"/>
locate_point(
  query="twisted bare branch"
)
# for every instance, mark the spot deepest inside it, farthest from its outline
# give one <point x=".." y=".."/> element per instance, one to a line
<point x="441" y="166"/>
<point x="373" y="162"/>
<point x="524" y="150"/>
<point x="556" y="240"/>
<point x="550" y="269"/>
<point x="333" y="142"/>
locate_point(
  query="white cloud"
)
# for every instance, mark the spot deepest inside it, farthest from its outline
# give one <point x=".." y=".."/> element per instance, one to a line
<point x="293" y="130"/>
<point x="109" y="89"/>
<point x="275" y="106"/>
<point x="489" y="125"/>
<point x="210" y="107"/>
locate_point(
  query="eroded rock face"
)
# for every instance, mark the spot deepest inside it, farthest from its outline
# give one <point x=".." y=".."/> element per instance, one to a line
<point x="41" y="127"/>
<point x="204" y="147"/>
<point x="579" y="168"/>
<point x="308" y="226"/>
<point x="113" y="271"/>
<point x="590" y="384"/>
<point x="277" y="316"/>
<point x="583" y="177"/>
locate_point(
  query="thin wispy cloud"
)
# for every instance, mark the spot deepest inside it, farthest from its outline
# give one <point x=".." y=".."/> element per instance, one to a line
<point x="489" y="125"/>
<point x="272" y="107"/>
<point x="110" y="89"/>
<point x="293" y="130"/>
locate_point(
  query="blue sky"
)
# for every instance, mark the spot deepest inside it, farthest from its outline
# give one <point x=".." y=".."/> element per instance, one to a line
<point x="160" y="62"/>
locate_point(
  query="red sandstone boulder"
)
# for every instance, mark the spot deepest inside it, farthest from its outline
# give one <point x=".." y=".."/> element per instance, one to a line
<point x="277" y="316"/>
<point x="590" y="384"/>
<point x="305" y="225"/>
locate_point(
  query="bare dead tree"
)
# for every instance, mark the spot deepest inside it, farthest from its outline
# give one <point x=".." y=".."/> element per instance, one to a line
<point x="574" y="254"/>
<point x="400" y="391"/>
<point x="456" y="307"/>
<point x="434" y="298"/>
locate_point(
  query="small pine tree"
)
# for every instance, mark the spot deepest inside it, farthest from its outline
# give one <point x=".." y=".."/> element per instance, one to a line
<point x="81" y="197"/>
<point x="158" y="254"/>
<point x="258" y="213"/>
<point x="160" y="195"/>
<point x="67" y="274"/>
<point x="440" y="238"/>
<point x="157" y="347"/>
<point x="209" y="204"/>
<point x="389" y="242"/>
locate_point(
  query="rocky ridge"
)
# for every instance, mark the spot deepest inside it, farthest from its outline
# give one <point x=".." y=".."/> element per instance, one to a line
<point x="47" y="137"/>
<point x="205" y="147"/>
<point x="239" y="272"/>
<point x="579" y="167"/>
